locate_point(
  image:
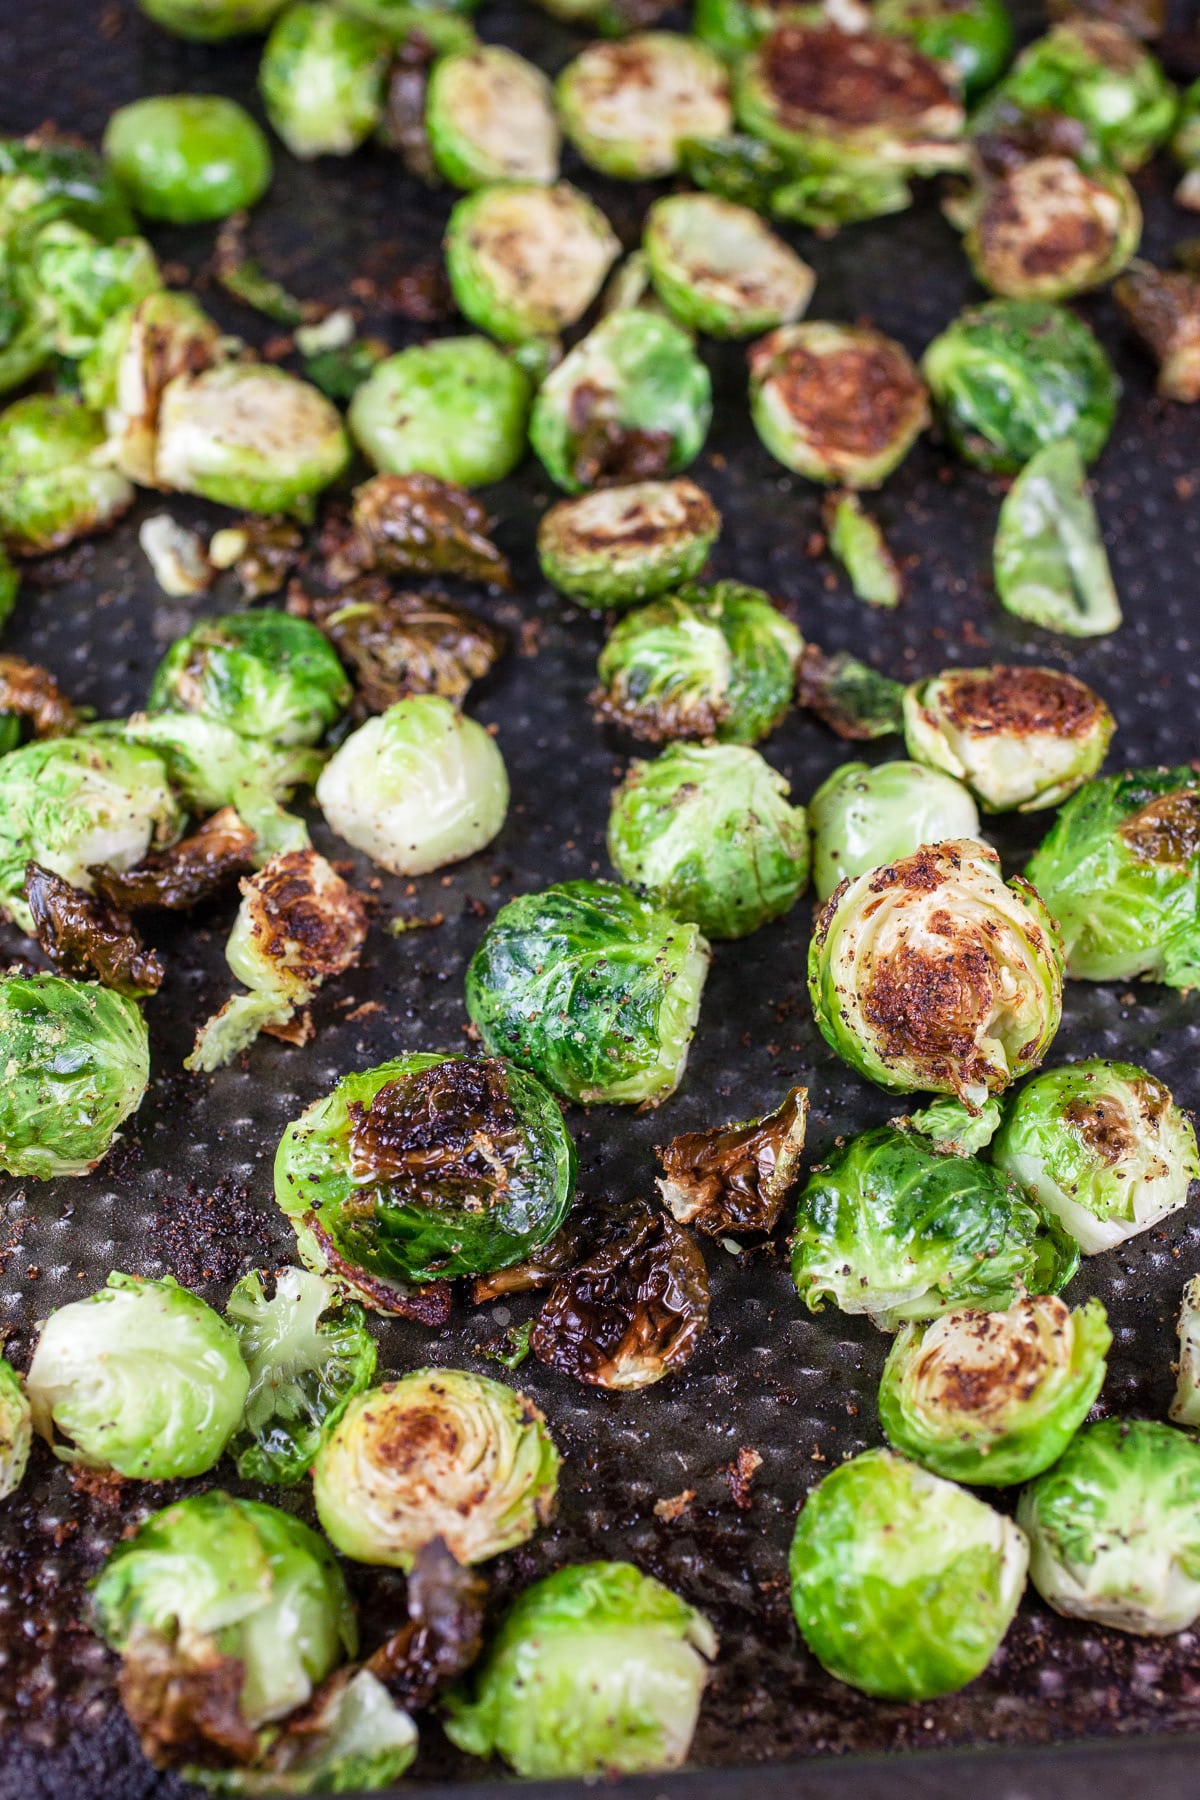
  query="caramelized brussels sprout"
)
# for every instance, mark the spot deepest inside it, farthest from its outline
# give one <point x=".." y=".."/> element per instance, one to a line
<point x="16" y="1430"/>
<point x="524" y="260"/>
<point x="490" y="117"/>
<point x="627" y="107"/>
<point x="138" y="352"/>
<point x="616" y="546"/>
<point x="735" y="1177"/>
<point x="864" y="818"/>
<point x="398" y="645"/>
<point x="1050" y="563"/>
<point x="55" y="482"/>
<point x="417" y="525"/>
<point x="198" y="866"/>
<point x="1185" y="1407"/>
<point x="975" y="36"/>
<point x="322" y="78"/>
<point x="264" y="674"/>
<point x="249" y="435"/>
<point x="85" y="937"/>
<point x="1164" y="310"/>
<point x="455" y="408"/>
<point x="188" y="158"/>
<point x="788" y="185"/>
<point x="717" y="268"/>
<point x="1047" y="228"/>
<point x="210" y="20"/>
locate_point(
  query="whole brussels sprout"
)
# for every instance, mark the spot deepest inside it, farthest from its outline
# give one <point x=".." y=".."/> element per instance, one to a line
<point x="1185" y="1407"/>
<point x="864" y="818"/>
<point x="249" y="435"/>
<point x="1012" y="376"/>
<point x="1103" y="1146"/>
<point x="1046" y="228"/>
<point x="931" y="973"/>
<point x="596" y="1668"/>
<point x="891" y="1228"/>
<point x="717" y="268"/>
<point x="439" y="1453"/>
<point x="141" y="1377"/>
<point x="265" y="674"/>
<point x="490" y="117"/>
<point x="455" y="408"/>
<point x="210" y="20"/>
<point x="526" y="260"/>
<point x="322" y="79"/>
<point x="1114" y="1528"/>
<point x="993" y="1398"/>
<point x="16" y="1430"/>
<point x="632" y="400"/>
<point x="416" y="787"/>
<point x="615" y="546"/>
<point x="428" y="1167"/>
<point x="595" y="990"/>
<point x="837" y="403"/>
<point x="55" y="483"/>
<point x="188" y="158"/>
<point x="704" y="662"/>
<point x="1020" y="738"/>
<point x="137" y="353"/>
<point x="1120" y="870"/>
<point x="627" y="107"/>
<point x="707" y="832"/>
<point x="976" y="36"/>
<point x="787" y="184"/>
<point x="1050" y="563"/>
<point x="902" y="1584"/>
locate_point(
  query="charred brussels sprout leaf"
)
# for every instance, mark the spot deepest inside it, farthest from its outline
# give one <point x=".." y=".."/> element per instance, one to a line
<point x="264" y="674"/>
<point x="55" y="484"/>
<point x="417" y="525"/>
<point x="397" y="645"/>
<point x="854" y="700"/>
<point x="455" y="408"/>
<point x="976" y="36"/>
<point x="1046" y="229"/>
<point x="525" y="261"/>
<point x="616" y="546"/>
<point x="85" y="936"/>
<point x="16" y="1430"/>
<point x="627" y="107"/>
<point x="188" y="158"/>
<point x="195" y="868"/>
<point x="735" y="1177"/>
<point x="321" y="79"/>
<point x="1164" y="310"/>
<point x="490" y="117"/>
<point x="717" y="268"/>
<point x="864" y="818"/>
<point x="1050" y="562"/>
<point x="1185" y="1407"/>
<point x="30" y="695"/>
<point x="902" y="1584"/>
<point x="444" y="1633"/>
<point x="352" y="1737"/>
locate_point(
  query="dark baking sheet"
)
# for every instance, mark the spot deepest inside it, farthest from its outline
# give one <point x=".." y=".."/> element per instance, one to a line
<point x="188" y="1189"/>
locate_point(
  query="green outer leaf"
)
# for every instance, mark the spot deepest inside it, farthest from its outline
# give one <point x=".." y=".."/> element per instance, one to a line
<point x="857" y="540"/>
<point x="16" y="1430"/>
<point x="1051" y="565"/>
<point x="264" y="674"/>
<point x="953" y="1129"/>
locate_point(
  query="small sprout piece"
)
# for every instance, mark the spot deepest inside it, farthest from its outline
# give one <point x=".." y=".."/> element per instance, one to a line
<point x="838" y="403"/>
<point x="55" y="485"/>
<point x="16" y="1430"/>
<point x="860" y="546"/>
<point x="84" y="936"/>
<point x="619" y="545"/>
<point x="397" y="645"/>
<point x="1114" y="1528"/>
<point x="418" y="525"/>
<point x="1046" y="228"/>
<point x="455" y="408"/>
<point x="1185" y="147"/>
<point x="931" y="974"/>
<point x="717" y="268"/>
<point x="249" y="435"/>
<point x="902" y="1584"/>
<point x="440" y="1453"/>
<point x="705" y="662"/>
<point x="265" y="674"/>
<point x="993" y="1398"/>
<point x="735" y="1177"/>
<point x="1020" y="738"/>
<point x="595" y="1669"/>
<point x="322" y="78"/>
<point x="953" y="1129"/>
<point x="195" y="868"/>
<point x="525" y="261"/>
<point x="416" y="788"/>
<point x="188" y="158"/>
<point x="593" y="989"/>
<point x="1185" y="1407"/>
<point x="10" y="587"/>
<point x="141" y="1377"/>
<point x="975" y="36"/>
<point x="176" y="555"/>
<point x="490" y="117"/>
<point x="139" y="351"/>
<point x="627" y="107"/>
<point x="1011" y="377"/>
<point x="213" y="766"/>
<point x="1050" y="562"/>
<point x="29" y="694"/>
<point x="865" y="818"/>
<point x="1164" y="310"/>
<point x="208" y="21"/>
<point x="631" y="402"/>
<point x="353" y="1735"/>
<point x="707" y="832"/>
<point x="854" y="700"/>
<point x="235" y="270"/>
<point x="444" y="1634"/>
<point x="1103" y="1146"/>
<point x="307" y="1356"/>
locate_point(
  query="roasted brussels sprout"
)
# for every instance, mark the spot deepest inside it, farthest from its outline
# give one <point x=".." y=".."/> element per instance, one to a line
<point x="864" y="818"/>
<point x="210" y="20"/>
<point x="1120" y="870"/>
<point x="85" y="937"/>
<point x="490" y="117"/>
<point x="1185" y="1407"/>
<point x="16" y="1430"/>
<point x="701" y="663"/>
<point x="1185" y="147"/>
<point x="595" y="1669"/>
<point x="627" y="107"/>
<point x="264" y="674"/>
<point x="439" y="1453"/>
<point x="975" y="36"/>
<point x="524" y="260"/>
<point x="1103" y="1146"/>
<point x="55" y="483"/>
<point x="1020" y="738"/>
<point x="1050" y="563"/>
<point x="707" y="832"/>
<point x="735" y="1177"/>
<point x="418" y="525"/>
<point x="788" y="185"/>
<point x="1164" y="311"/>
<point x="141" y="1377"/>
<point x="993" y="1398"/>
<point x="595" y="990"/>
<point x="1012" y="376"/>
<point x="398" y="644"/>
<point x="902" y="1584"/>
<point x="188" y="158"/>
<point x="838" y="403"/>
<point x="717" y="268"/>
<point x="322" y="78"/>
<point x="632" y="401"/>
<point x="138" y="352"/>
<point x="81" y="282"/>
<point x="354" y="1735"/>
<point x="1114" y="1528"/>
<point x="1046" y="228"/>
<point x="619" y="545"/>
<point x="455" y="408"/>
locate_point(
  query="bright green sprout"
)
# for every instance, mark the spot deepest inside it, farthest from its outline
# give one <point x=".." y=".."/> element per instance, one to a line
<point x="211" y="20"/>
<point x="976" y="36"/>
<point x="717" y="268"/>
<point x="864" y="818"/>
<point x="322" y="79"/>
<point x="1047" y="229"/>
<point x="1185" y="1407"/>
<point x="627" y="107"/>
<point x="123" y="376"/>
<point x="264" y="674"/>
<point x="16" y="1430"/>
<point x="1050" y="563"/>
<point x="82" y="282"/>
<point x="616" y="546"/>
<point x="953" y="1129"/>
<point x="490" y="117"/>
<point x="55" y="481"/>
<point x="790" y="185"/>
<point x="455" y="408"/>
<point x="188" y="158"/>
<point x="526" y="260"/>
<point x="858" y="543"/>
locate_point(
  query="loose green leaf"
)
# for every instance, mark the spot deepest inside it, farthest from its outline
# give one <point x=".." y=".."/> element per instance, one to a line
<point x="1051" y="565"/>
<point x="860" y="546"/>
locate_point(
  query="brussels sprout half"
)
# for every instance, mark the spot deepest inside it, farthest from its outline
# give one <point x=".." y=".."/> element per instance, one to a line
<point x="188" y="158"/>
<point x="455" y="408"/>
<point x="863" y="818"/>
<point x="619" y="545"/>
<point x="838" y="403"/>
<point x="524" y="260"/>
<point x="627" y="107"/>
<point x="1050" y="564"/>
<point x="249" y="435"/>
<point x="902" y="1584"/>
<point x="1185" y="1407"/>
<point x="594" y="989"/>
<point x="138" y="352"/>
<point x="490" y="117"/>
<point x="1164" y="311"/>
<point x="322" y="79"/>
<point x="16" y="1430"/>
<point x="265" y="674"/>
<point x="55" y="482"/>
<point x="210" y="20"/>
<point x="717" y="268"/>
<point x="976" y="36"/>
<point x="595" y="1669"/>
<point x="1048" y="229"/>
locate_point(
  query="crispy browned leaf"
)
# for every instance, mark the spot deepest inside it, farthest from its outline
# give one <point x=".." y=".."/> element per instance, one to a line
<point x="848" y="696"/>
<point x="1164" y="309"/>
<point x="444" y="1634"/>
<point x="86" y="937"/>
<point x="396" y="644"/>
<point x="200" y="865"/>
<point x="182" y="1699"/>
<point x="30" y="692"/>
<point x="735" y="1177"/>
<point x="417" y="525"/>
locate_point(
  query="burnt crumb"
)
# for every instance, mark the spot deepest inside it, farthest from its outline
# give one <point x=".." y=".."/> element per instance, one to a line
<point x="740" y="1474"/>
<point x="673" y="1508"/>
<point x="211" y="1234"/>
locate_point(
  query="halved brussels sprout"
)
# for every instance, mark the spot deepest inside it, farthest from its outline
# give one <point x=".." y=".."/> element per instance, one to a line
<point x="1012" y="376"/>
<point x="1103" y="1146"/>
<point x="1020" y="738"/>
<point x="397" y="644"/>
<point x="631" y="401"/>
<point x="84" y="282"/>
<point x="142" y="1377"/>
<point x="902" y="1584"/>
<point x="619" y="545"/>
<point x="704" y="662"/>
<point x="1164" y="311"/>
<point x="55" y="481"/>
<point x="249" y="435"/>
<point x="595" y="1669"/>
<point x="455" y="408"/>
<point x="211" y="20"/>
<point x="1050" y="562"/>
<point x="707" y="832"/>
<point x="428" y="1167"/>
<point x="864" y="818"/>
<point x="717" y="268"/>
<point x="627" y="107"/>
<point x="139" y="351"/>
<point x="993" y="1398"/>
<point x="322" y="79"/>
<point x="931" y="973"/>
<point x="838" y="403"/>
<point x="16" y="1430"/>
<point x="976" y="36"/>
<point x="1114" y="1528"/>
<point x="439" y="1453"/>
<point x="188" y="158"/>
<point x="595" y="990"/>
<point x="1120" y="870"/>
<point x="524" y="260"/>
<point x="788" y="185"/>
<point x="265" y="674"/>
<point x="490" y="117"/>
<point x="1047" y="228"/>
<point x="1185" y="1407"/>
